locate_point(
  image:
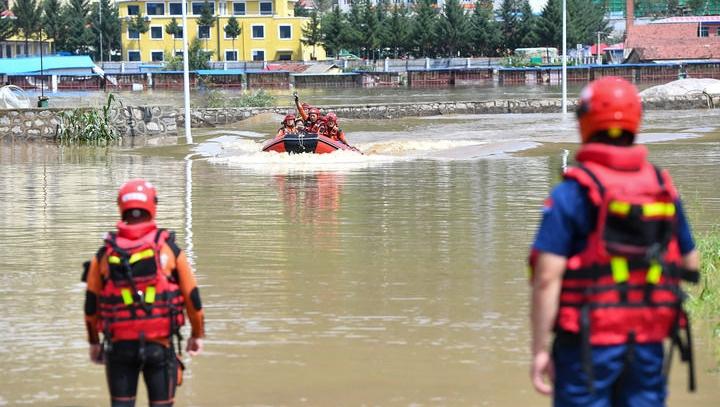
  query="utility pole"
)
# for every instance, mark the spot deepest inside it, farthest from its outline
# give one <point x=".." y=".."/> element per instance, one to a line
<point x="100" y="29"/>
<point x="597" y="49"/>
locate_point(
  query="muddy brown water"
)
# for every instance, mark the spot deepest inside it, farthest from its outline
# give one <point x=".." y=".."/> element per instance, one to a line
<point x="395" y="278"/>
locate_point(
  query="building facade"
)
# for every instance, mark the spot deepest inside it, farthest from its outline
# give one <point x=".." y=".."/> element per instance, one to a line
<point x="269" y="30"/>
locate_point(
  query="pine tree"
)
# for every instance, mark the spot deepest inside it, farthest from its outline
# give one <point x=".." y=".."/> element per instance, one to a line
<point x="173" y="29"/>
<point x="527" y="36"/>
<point x="206" y="19"/>
<point x="424" y="27"/>
<point x="549" y="25"/>
<point x="353" y="36"/>
<point x="232" y="29"/>
<point x="109" y="26"/>
<point x="398" y="29"/>
<point x="76" y="27"/>
<point x="28" y="14"/>
<point x="311" y="33"/>
<point x="332" y="29"/>
<point x="509" y="14"/>
<point x="52" y="22"/>
<point x="485" y="32"/>
<point x="370" y="29"/>
<point x="454" y="29"/>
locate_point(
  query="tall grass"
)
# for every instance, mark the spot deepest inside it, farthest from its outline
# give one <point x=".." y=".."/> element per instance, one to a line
<point x="259" y="98"/>
<point x="704" y="301"/>
<point x="82" y="126"/>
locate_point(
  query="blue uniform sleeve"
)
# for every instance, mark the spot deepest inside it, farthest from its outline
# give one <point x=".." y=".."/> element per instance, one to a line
<point x="684" y="235"/>
<point x="566" y="221"/>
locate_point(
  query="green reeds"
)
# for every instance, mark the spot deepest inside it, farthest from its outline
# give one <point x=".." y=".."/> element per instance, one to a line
<point x="703" y="303"/>
<point x="87" y="126"/>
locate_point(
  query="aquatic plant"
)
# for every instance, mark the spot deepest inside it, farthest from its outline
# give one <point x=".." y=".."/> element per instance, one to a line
<point x="87" y="126"/>
<point x="258" y="98"/>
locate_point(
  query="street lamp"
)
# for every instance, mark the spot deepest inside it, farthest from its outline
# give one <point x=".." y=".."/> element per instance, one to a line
<point x="564" y="57"/>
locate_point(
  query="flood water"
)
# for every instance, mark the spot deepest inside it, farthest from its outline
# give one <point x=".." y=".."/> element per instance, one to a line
<point x="394" y="278"/>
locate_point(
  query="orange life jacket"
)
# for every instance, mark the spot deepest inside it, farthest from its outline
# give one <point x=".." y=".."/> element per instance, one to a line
<point x="624" y="286"/>
<point x="139" y="300"/>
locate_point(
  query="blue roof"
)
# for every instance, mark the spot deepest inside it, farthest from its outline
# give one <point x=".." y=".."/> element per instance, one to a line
<point x="32" y="64"/>
<point x="220" y="71"/>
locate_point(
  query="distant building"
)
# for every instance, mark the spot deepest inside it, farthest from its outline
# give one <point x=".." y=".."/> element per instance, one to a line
<point x="269" y="30"/>
<point x="674" y="38"/>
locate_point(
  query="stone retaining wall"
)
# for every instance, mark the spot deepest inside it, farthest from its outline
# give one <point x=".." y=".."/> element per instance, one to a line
<point x="34" y="124"/>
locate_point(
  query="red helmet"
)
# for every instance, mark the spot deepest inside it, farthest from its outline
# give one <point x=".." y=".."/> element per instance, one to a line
<point x="289" y="117"/>
<point x="609" y="104"/>
<point x="331" y="117"/>
<point x="137" y="194"/>
<point x="305" y="106"/>
<point x="314" y="110"/>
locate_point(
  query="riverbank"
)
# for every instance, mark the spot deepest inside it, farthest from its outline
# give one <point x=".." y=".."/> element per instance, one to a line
<point x="154" y="121"/>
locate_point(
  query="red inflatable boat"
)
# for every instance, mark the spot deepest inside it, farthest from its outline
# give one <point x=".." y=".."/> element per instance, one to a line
<point x="298" y="143"/>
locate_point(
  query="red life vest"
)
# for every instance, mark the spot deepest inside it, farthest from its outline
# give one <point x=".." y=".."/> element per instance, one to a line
<point x="624" y="286"/>
<point x="138" y="299"/>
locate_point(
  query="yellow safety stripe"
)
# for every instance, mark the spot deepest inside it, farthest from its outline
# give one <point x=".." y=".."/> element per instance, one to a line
<point x="619" y="208"/>
<point x="126" y="296"/>
<point x="620" y="269"/>
<point x="141" y="255"/>
<point x="657" y="209"/>
<point x="150" y="294"/>
<point x="114" y="260"/>
<point x="654" y="272"/>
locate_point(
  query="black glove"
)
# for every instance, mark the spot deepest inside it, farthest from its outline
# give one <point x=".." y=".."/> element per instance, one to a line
<point x="295" y="96"/>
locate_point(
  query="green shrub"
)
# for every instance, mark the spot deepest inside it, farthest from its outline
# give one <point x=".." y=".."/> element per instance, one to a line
<point x="258" y="98"/>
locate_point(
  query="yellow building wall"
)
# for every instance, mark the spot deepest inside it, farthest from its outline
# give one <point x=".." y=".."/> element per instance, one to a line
<point x="245" y="44"/>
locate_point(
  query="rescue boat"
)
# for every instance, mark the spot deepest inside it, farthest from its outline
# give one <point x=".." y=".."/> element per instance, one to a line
<point x="297" y="143"/>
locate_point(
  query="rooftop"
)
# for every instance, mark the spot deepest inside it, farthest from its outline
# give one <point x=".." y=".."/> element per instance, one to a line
<point x="53" y="62"/>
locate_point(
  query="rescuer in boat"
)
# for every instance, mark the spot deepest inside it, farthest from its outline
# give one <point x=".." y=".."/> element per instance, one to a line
<point x="138" y="285"/>
<point x="332" y="130"/>
<point x="288" y="126"/>
<point x="606" y="265"/>
<point x="300" y="125"/>
<point x="311" y="115"/>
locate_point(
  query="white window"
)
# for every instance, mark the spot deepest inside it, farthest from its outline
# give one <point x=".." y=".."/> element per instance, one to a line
<point x="155" y="9"/>
<point x="284" y="55"/>
<point x="222" y="8"/>
<point x="178" y="53"/>
<point x="157" y="56"/>
<point x="258" y="31"/>
<point x="204" y="32"/>
<point x="266" y="8"/>
<point x="285" y="32"/>
<point x="156" y="32"/>
<point x="231" y="55"/>
<point x="133" y="10"/>
<point x="133" y="35"/>
<point x="175" y="9"/>
<point x="238" y="9"/>
<point x="179" y="35"/>
<point x="258" y="55"/>
<point x="134" y="56"/>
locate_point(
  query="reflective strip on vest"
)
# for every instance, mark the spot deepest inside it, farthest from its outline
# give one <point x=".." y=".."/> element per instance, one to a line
<point x="658" y="209"/>
<point x="141" y="255"/>
<point x="620" y="269"/>
<point x="654" y="273"/>
<point x="114" y="260"/>
<point x="619" y="208"/>
<point x="150" y="294"/>
<point x="126" y="296"/>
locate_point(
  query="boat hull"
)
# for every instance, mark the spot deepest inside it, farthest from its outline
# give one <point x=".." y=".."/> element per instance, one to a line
<point x="308" y="143"/>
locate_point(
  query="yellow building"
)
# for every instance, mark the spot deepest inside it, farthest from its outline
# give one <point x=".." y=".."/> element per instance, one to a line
<point x="269" y="30"/>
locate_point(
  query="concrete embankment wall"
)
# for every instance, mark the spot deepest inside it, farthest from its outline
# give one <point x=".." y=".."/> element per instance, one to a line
<point x="41" y="124"/>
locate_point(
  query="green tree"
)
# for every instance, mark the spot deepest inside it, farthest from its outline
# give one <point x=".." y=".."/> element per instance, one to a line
<point x="586" y="19"/>
<point x="52" y="22"/>
<point x="485" y="32"/>
<point x="173" y="29"/>
<point x="549" y="25"/>
<point x="423" y="28"/>
<point x="7" y="28"/>
<point x="141" y="25"/>
<point x="232" y="29"/>
<point x="370" y="29"/>
<point x="353" y="34"/>
<point x="28" y="14"/>
<point x="509" y="14"/>
<point x="78" y="35"/>
<point x="312" y="35"/>
<point x="333" y="29"/>
<point x="206" y="19"/>
<point x="109" y="26"/>
<point x="300" y="10"/>
<point x="398" y="31"/>
<point x="527" y="36"/>
<point x="197" y="58"/>
<point x="454" y="29"/>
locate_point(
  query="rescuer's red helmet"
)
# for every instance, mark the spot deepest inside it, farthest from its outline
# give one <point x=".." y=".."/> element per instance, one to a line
<point x="137" y="194"/>
<point x="611" y="105"/>
<point x="291" y="118"/>
<point x="331" y="118"/>
<point x="315" y="111"/>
